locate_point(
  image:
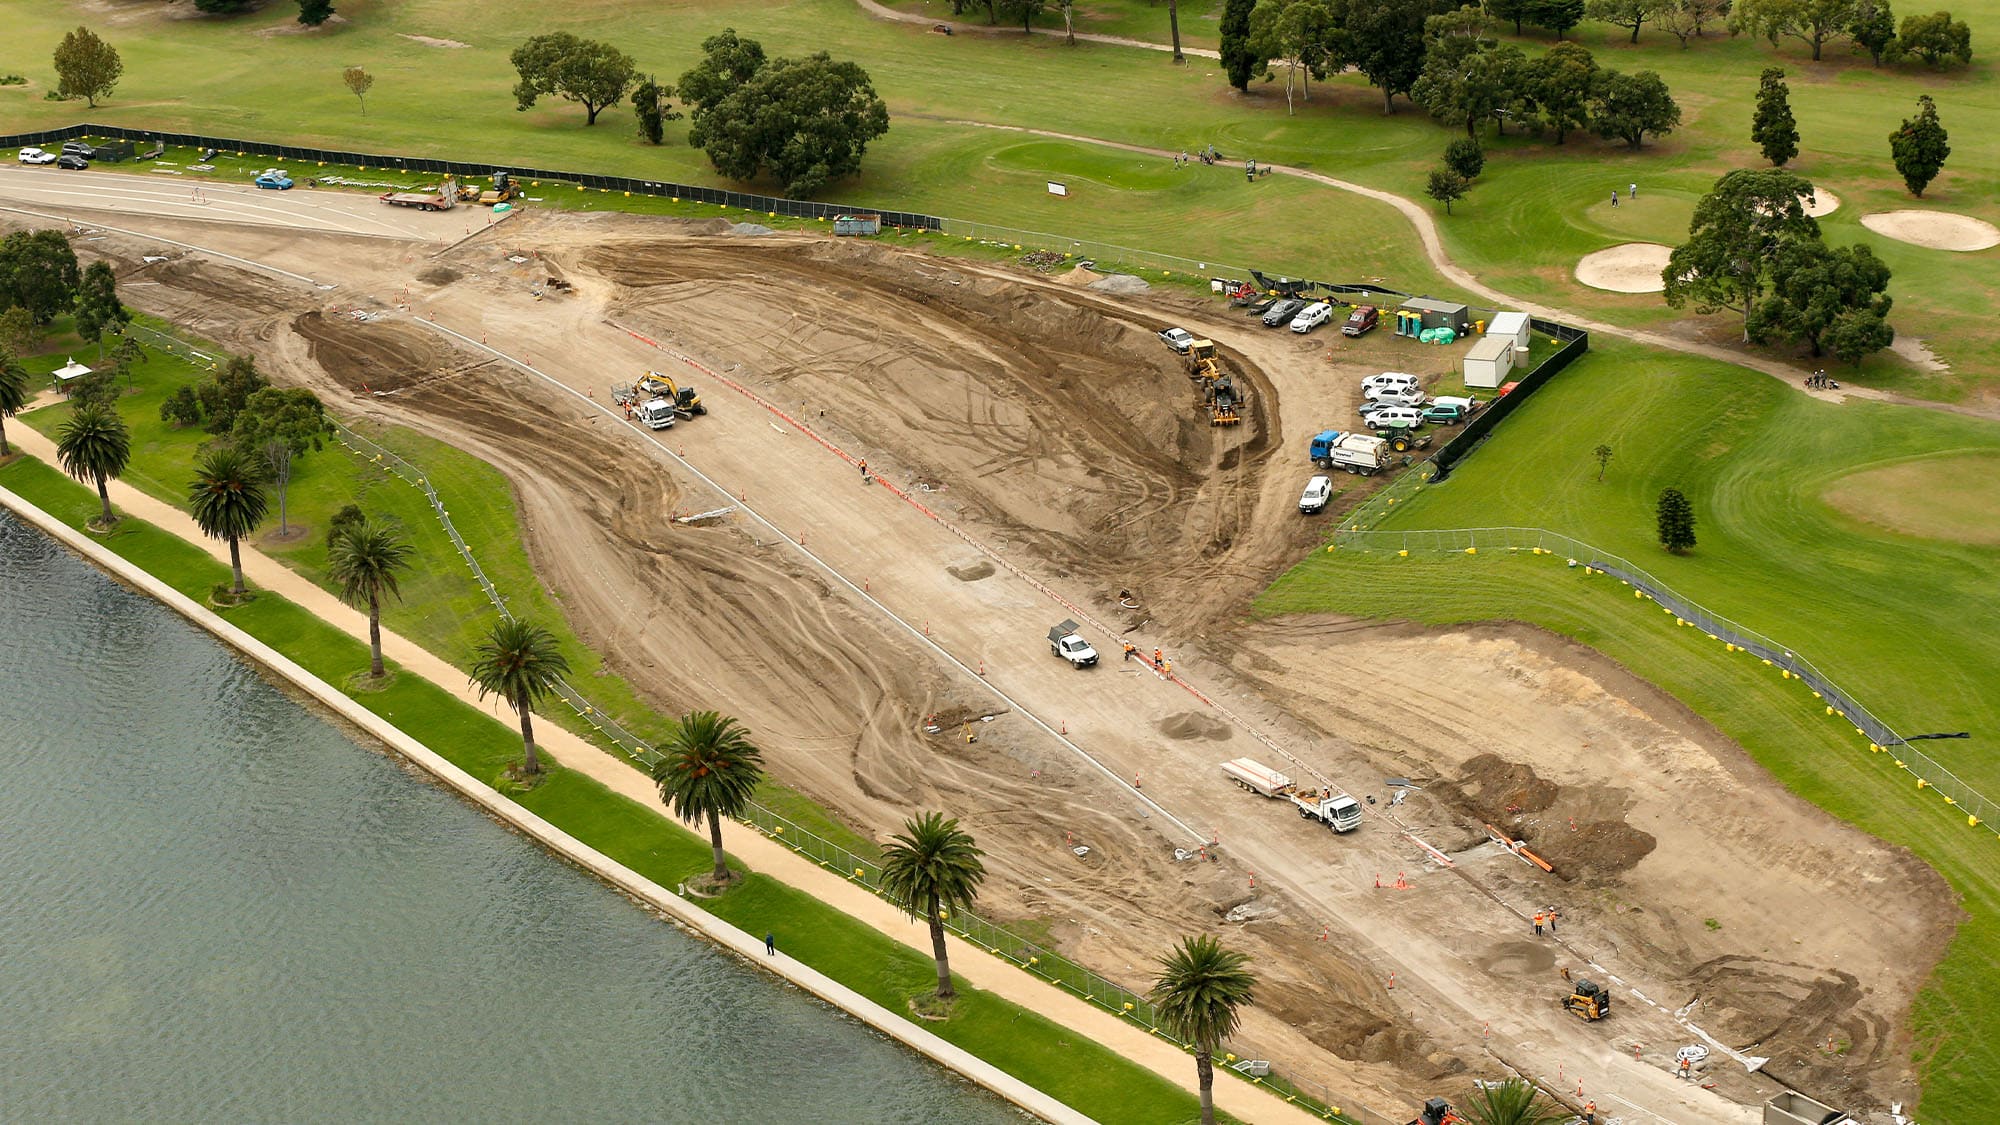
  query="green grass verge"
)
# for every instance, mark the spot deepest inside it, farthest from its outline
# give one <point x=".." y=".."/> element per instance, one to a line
<point x="1080" y="1072"/>
<point x="1898" y="620"/>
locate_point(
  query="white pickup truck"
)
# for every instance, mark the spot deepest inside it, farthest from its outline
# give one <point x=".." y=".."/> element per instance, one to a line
<point x="1064" y="642"/>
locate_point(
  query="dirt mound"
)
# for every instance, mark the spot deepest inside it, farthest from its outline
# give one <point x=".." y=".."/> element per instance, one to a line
<point x="1934" y="230"/>
<point x="1632" y="268"/>
<point x="1120" y="283"/>
<point x="439" y="275"/>
<point x="1194" y="724"/>
<point x="1809" y="1022"/>
<point x="1567" y="827"/>
<point x="971" y="572"/>
<point x="1079" y="277"/>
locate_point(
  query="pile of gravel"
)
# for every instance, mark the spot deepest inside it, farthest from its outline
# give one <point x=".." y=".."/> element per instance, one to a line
<point x="749" y="228"/>
<point x="1120" y="283"/>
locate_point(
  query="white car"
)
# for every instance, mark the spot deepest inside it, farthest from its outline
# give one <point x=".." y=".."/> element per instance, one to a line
<point x="1396" y="418"/>
<point x="1179" y="339"/>
<point x="1396" y="396"/>
<point x="37" y="156"/>
<point x="1318" y="491"/>
<point x="1388" y="379"/>
<point x="1314" y="315"/>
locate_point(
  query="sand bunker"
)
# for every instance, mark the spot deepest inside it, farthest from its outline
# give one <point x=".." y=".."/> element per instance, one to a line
<point x="1632" y="268"/>
<point x="1935" y="230"/>
<point x="433" y="41"/>
<point x="1821" y="202"/>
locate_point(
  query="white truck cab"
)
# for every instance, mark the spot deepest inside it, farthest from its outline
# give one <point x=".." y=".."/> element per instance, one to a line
<point x="655" y="413"/>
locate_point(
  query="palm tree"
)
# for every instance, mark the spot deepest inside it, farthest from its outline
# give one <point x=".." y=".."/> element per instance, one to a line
<point x="365" y="559"/>
<point x="708" y="767"/>
<point x="93" y="446"/>
<point x="1513" y="1102"/>
<point x="227" y="497"/>
<point x="13" y="392"/>
<point x="519" y="662"/>
<point x="1196" y="996"/>
<point x="930" y="869"/>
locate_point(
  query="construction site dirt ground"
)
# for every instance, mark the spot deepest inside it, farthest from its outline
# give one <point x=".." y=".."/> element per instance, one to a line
<point x="839" y="620"/>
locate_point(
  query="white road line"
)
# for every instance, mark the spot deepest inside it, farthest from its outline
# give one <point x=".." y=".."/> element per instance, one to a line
<point x="172" y="242"/>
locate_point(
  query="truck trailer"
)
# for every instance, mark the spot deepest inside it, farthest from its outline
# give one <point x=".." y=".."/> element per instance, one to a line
<point x="1329" y="806"/>
<point x="442" y="198"/>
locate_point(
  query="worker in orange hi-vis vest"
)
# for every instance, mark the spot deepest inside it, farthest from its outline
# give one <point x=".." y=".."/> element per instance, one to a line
<point x="1539" y="919"/>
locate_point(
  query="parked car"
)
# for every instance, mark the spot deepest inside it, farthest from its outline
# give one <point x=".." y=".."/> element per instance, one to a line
<point x="1318" y="491"/>
<point x="71" y="161"/>
<point x="1468" y="404"/>
<point x="1311" y="317"/>
<point x="274" y="179"/>
<point x="37" y="156"/>
<point x="1444" y="413"/>
<point x="1178" y="339"/>
<point x="1281" y="312"/>
<point x="79" y="148"/>
<point x="1388" y="379"/>
<point x="1396" y="417"/>
<point x="1396" y="396"/>
<point x="1363" y="318"/>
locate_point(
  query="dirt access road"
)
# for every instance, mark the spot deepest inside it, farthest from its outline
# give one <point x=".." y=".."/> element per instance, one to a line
<point x="1050" y="427"/>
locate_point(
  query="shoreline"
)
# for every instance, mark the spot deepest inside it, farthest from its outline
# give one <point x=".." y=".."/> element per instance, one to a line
<point x="660" y="899"/>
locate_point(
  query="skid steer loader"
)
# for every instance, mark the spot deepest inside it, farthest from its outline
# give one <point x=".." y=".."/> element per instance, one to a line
<point x="1590" y="1000"/>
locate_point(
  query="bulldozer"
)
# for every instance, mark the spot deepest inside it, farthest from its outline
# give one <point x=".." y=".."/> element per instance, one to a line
<point x="1590" y="1000"/>
<point x="686" y="402"/>
<point x="504" y="188"/>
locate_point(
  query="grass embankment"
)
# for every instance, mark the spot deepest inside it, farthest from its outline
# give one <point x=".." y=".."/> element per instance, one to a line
<point x="1054" y="1059"/>
<point x="1901" y="621"/>
<point x="1537" y="208"/>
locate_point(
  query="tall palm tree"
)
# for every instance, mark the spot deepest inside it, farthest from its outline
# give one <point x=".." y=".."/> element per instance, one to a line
<point x="1513" y="1102"/>
<point x="13" y="392"/>
<point x="933" y="868"/>
<point x="228" y="501"/>
<point x="519" y="662"/>
<point x="93" y="446"/>
<point x="365" y="558"/>
<point x="1196" y="996"/>
<point x="708" y="767"/>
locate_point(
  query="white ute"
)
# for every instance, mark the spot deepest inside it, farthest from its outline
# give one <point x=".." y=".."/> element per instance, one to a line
<point x="1064" y="642"/>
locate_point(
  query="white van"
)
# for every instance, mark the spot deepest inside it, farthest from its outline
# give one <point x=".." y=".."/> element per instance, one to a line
<point x="1314" y="315"/>
<point x="1396" y="418"/>
<point x="1388" y="379"/>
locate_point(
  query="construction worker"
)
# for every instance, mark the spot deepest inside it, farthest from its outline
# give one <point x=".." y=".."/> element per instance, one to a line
<point x="1159" y="658"/>
<point x="1687" y="1068"/>
<point x="1590" y="1113"/>
<point x="1539" y="919"/>
<point x="1130" y="648"/>
<point x="864" y="468"/>
<point x="1552" y="921"/>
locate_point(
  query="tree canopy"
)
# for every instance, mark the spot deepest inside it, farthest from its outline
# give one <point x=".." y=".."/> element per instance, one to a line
<point x="1629" y="106"/>
<point x="1674" y="518"/>
<point x="1811" y="22"/>
<point x="1772" y="126"/>
<point x="593" y="73"/>
<point x="38" y="272"/>
<point x="94" y="446"/>
<point x="1560" y="83"/>
<point x="807" y="121"/>
<point x="727" y="62"/>
<point x="1239" y="60"/>
<point x="931" y="869"/>
<point x="1937" y="39"/>
<point x="98" y="309"/>
<point x="1384" y="40"/>
<point x="1825" y="297"/>
<point x="1624" y="13"/>
<point x="1919" y="147"/>
<point x="1736" y="229"/>
<point x="1874" y="29"/>
<point x="1297" y="33"/>
<point x="87" y="67"/>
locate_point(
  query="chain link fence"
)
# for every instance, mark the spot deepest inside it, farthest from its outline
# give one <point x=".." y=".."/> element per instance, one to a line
<point x="1359" y="532"/>
<point x="1102" y="253"/>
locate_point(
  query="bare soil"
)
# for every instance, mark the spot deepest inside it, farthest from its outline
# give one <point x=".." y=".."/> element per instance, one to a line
<point x="1048" y="424"/>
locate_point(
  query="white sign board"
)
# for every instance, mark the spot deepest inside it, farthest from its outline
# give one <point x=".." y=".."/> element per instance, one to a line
<point x="1058" y="189"/>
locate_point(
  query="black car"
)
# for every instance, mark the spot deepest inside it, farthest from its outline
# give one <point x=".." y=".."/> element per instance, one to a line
<point x="71" y="161"/>
<point x="79" y="148"/>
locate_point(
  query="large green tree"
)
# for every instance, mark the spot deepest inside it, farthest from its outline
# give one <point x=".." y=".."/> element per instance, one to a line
<point x="1513" y="1102"/>
<point x="1479" y="85"/>
<point x="1689" y="19"/>
<point x="1465" y="157"/>
<point x="1673" y="516"/>
<point x="1023" y="10"/>
<point x="93" y="446"/>
<point x="1937" y="39"/>
<point x="1446" y="186"/>
<point x="87" y="67"/>
<point x="1919" y="146"/>
<point x="1239" y="60"/>
<point x="227" y="499"/>
<point x="1384" y="40"/>
<point x="651" y="106"/>
<point x="1556" y="15"/>
<point x="1737" y="228"/>
<point x="312" y="13"/>
<point x="932" y="869"/>
<point x="806" y="121"/>
<point x="519" y="662"/>
<point x="281" y="425"/>
<point x="1874" y="29"/>
<point x="1296" y="33"/>
<point x="708" y="769"/>
<point x="226" y="391"/>
<point x="38" y="272"/>
<point x="1560" y="83"/>
<point x="1629" y="106"/>
<point x="13" y="393"/>
<point x="366" y="561"/>
<point x="593" y="73"/>
<point x="98" y="309"/>
<point x="728" y="61"/>
<point x="1812" y="22"/>
<point x="1623" y="13"/>
<point x="1772" y="126"/>
<point x="1817" y="292"/>
<point x="1198" y="996"/>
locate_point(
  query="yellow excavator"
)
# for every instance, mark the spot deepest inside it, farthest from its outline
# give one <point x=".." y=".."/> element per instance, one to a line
<point x="655" y="385"/>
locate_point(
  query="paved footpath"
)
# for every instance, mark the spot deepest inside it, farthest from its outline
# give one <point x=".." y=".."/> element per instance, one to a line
<point x="970" y="962"/>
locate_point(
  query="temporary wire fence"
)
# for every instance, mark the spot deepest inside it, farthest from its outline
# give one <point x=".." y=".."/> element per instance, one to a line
<point x="995" y="939"/>
<point x="1359" y="533"/>
<point x="1085" y="249"/>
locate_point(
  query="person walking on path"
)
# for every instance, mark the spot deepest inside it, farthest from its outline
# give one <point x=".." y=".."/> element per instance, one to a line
<point x="1539" y="918"/>
<point x="770" y="945"/>
<point x="1614" y="197"/>
<point x="1551" y="912"/>
<point x="864" y="468"/>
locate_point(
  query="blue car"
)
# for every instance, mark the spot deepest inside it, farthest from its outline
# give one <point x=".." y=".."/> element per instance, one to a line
<point x="274" y="180"/>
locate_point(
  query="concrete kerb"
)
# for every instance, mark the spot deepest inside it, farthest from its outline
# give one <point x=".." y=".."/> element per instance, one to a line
<point x="749" y="948"/>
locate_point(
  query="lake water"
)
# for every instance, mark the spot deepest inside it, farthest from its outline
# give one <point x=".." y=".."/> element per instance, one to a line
<point x="217" y="907"/>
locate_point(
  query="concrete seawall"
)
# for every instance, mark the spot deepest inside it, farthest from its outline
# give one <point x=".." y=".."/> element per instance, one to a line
<point x="681" y="910"/>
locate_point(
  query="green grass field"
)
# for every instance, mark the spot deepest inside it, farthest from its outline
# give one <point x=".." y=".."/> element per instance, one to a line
<point x="1897" y="619"/>
<point x="1077" y="1071"/>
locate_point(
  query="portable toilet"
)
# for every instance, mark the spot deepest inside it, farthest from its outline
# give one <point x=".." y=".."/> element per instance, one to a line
<point x="1429" y="313"/>
<point x="1490" y="361"/>
<point x="1513" y="325"/>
